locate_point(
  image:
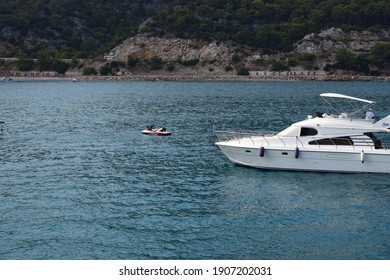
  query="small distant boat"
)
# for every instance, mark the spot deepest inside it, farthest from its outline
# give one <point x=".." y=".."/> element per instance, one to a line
<point x="156" y="131"/>
<point x="75" y="80"/>
<point x="7" y="80"/>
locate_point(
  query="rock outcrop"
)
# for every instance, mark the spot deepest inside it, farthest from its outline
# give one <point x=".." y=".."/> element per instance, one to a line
<point x="172" y="49"/>
<point x="334" y="38"/>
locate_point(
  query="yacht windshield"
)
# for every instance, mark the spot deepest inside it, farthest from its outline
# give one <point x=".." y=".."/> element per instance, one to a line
<point x="290" y="131"/>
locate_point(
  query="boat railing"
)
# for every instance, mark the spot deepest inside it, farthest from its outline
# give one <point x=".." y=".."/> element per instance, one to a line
<point x="225" y="135"/>
<point x="260" y="138"/>
<point x="298" y="140"/>
<point x="284" y="143"/>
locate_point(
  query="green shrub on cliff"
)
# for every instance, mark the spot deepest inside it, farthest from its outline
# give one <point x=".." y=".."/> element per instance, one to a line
<point x="156" y="63"/>
<point x="87" y="71"/>
<point x="380" y="53"/>
<point x="242" y="71"/>
<point x="25" y="64"/>
<point x="132" y="62"/>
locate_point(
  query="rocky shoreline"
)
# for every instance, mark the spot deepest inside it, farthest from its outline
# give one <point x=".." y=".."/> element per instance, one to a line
<point x="233" y="78"/>
<point x="269" y="76"/>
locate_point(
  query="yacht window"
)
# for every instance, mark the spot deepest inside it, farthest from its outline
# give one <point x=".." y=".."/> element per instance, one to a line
<point x="341" y="141"/>
<point x="307" y="131"/>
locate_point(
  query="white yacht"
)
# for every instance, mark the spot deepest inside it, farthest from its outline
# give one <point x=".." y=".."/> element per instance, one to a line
<point x="325" y="143"/>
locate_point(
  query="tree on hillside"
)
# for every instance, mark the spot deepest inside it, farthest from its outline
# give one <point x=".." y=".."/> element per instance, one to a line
<point x="85" y="29"/>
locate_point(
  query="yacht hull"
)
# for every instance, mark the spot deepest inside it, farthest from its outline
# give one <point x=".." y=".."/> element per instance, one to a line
<point x="354" y="161"/>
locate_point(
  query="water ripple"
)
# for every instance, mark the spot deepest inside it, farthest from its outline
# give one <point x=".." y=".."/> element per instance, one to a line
<point x="79" y="181"/>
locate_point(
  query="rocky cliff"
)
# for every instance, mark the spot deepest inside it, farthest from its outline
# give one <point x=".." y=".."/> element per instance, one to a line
<point x="326" y="41"/>
<point x="207" y="59"/>
<point x="323" y="45"/>
<point x="172" y="49"/>
<point x="335" y="38"/>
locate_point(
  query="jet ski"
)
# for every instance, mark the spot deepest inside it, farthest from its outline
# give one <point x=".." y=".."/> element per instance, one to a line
<point x="156" y="131"/>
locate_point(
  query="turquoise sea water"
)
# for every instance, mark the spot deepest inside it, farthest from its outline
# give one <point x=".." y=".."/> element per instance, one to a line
<point x="78" y="179"/>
